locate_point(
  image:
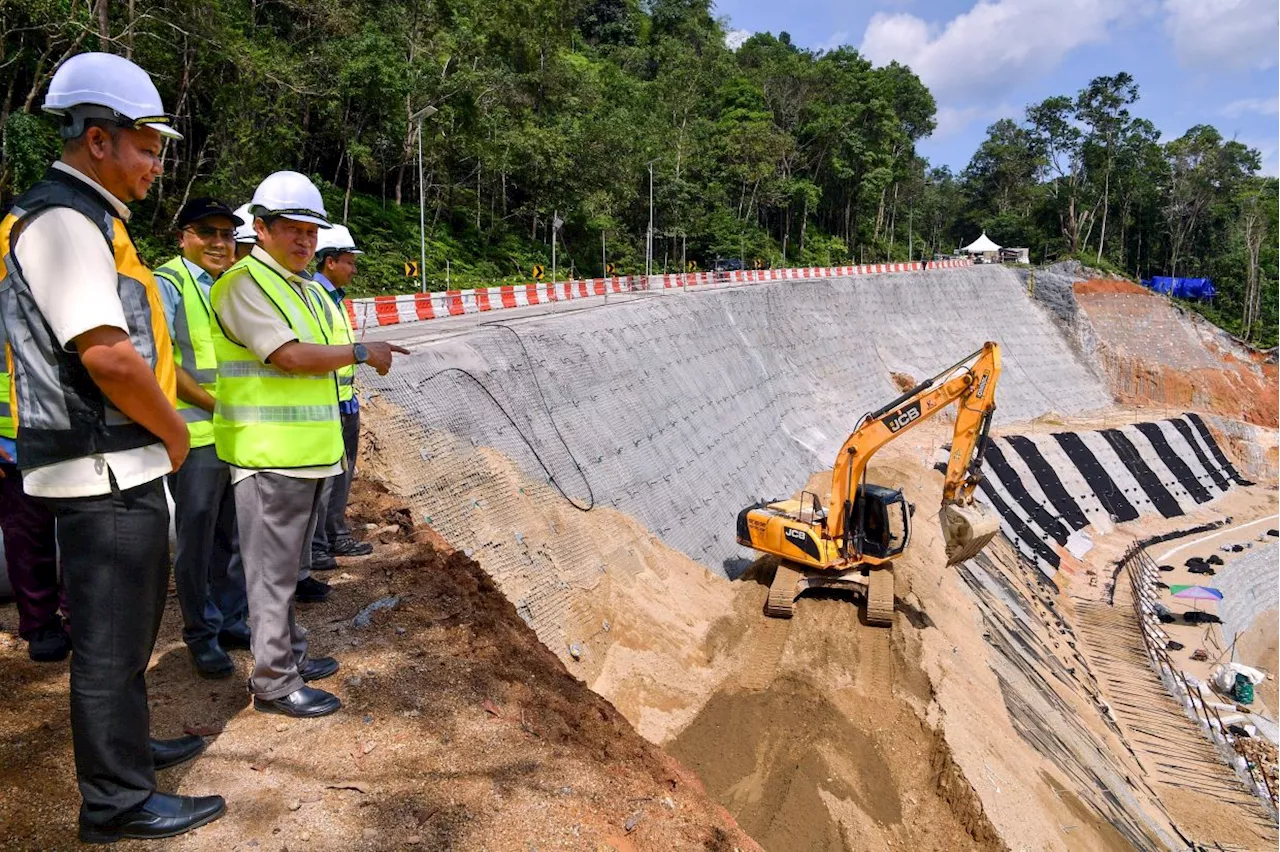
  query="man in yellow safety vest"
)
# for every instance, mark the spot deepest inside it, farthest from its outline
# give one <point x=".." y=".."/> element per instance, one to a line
<point x="207" y="572"/>
<point x="336" y="254"/>
<point x="276" y="423"/>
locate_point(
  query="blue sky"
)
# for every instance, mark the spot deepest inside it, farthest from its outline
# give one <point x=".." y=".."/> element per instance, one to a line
<point x="1195" y="61"/>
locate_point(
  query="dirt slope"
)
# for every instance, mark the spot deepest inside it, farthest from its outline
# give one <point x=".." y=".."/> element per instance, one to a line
<point x="460" y="731"/>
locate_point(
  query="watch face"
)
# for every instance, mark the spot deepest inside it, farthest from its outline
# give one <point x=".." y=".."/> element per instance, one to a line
<point x="362" y="352"/>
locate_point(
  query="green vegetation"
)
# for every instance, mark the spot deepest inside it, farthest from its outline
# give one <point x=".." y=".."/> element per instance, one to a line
<point x="769" y="153"/>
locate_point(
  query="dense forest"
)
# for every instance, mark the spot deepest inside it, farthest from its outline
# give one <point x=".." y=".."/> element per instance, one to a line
<point x="580" y="111"/>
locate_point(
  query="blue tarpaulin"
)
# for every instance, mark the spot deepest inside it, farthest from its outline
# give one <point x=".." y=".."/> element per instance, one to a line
<point x="1183" y="288"/>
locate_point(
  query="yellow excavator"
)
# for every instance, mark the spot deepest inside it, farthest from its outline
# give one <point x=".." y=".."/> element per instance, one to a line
<point x="851" y="544"/>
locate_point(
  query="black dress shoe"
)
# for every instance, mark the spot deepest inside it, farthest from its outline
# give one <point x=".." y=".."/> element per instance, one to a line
<point x="210" y="660"/>
<point x="318" y="668"/>
<point x="305" y="703"/>
<point x="312" y="590"/>
<point x="322" y="561"/>
<point x="161" y="815"/>
<point x="348" y="546"/>
<point x="166" y="753"/>
<point x="49" y="644"/>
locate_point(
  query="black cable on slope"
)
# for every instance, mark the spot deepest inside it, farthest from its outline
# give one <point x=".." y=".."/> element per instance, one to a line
<point x="545" y="407"/>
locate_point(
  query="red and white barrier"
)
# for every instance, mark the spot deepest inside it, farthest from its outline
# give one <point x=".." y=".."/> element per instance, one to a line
<point x="419" y="307"/>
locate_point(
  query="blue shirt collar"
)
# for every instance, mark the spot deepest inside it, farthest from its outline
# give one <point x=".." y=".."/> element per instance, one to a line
<point x="202" y="278"/>
<point x="324" y="282"/>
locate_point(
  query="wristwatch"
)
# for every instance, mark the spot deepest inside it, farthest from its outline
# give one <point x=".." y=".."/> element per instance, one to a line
<point x="361" y="352"/>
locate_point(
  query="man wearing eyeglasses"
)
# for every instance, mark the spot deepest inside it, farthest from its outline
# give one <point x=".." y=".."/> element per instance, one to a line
<point x="207" y="571"/>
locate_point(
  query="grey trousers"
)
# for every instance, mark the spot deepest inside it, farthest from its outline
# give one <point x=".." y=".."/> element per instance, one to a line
<point x="115" y="567"/>
<point x="276" y="517"/>
<point x="332" y="524"/>
<point x="207" y="570"/>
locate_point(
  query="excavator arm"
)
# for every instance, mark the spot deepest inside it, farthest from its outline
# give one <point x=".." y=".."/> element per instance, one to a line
<point x="971" y="382"/>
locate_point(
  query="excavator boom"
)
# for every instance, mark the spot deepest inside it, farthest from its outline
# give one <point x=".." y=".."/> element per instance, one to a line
<point x="970" y="382"/>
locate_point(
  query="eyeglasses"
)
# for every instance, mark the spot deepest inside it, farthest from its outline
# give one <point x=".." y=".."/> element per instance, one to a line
<point x="206" y="232"/>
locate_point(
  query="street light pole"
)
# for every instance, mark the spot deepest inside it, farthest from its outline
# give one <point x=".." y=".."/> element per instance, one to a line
<point x="424" y="113"/>
<point x="648" y="252"/>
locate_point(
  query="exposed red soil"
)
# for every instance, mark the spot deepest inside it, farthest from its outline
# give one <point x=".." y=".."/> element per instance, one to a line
<point x="1096" y="286"/>
<point x="1153" y="354"/>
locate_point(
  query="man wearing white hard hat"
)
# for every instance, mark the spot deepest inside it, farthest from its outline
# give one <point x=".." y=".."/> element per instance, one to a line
<point x="277" y="424"/>
<point x="246" y="239"/>
<point x="335" y="268"/>
<point x="94" y="380"/>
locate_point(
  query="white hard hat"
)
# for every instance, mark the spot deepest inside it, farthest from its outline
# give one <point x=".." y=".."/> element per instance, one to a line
<point x="245" y="233"/>
<point x="116" y="87"/>
<point x="338" y="240"/>
<point x="292" y="196"/>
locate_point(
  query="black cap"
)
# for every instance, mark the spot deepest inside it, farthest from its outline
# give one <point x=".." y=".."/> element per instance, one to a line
<point x="201" y="208"/>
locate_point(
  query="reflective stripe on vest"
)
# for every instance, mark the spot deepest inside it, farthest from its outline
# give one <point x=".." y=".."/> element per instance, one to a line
<point x="64" y="414"/>
<point x="265" y="417"/>
<point x="193" y="345"/>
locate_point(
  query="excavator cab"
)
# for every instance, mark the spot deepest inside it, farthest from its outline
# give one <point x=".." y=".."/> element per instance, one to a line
<point x="880" y="520"/>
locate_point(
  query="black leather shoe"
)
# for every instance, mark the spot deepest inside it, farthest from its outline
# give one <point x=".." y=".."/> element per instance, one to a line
<point x="166" y="753"/>
<point x="210" y="660"/>
<point x="49" y="644"/>
<point x="305" y="703"/>
<point x="348" y="546"/>
<point x="322" y="561"/>
<point x="229" y="639"/>
<point x="318" y="668"/>
<point x="312" y="590"/>
<point x="161" y="815"/>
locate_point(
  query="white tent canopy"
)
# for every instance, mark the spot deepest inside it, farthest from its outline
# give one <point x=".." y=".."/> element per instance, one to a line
<point x="981" y="245"/>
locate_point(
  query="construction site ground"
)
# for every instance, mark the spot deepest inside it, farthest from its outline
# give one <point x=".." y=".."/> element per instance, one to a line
<point x="460" y="730"/>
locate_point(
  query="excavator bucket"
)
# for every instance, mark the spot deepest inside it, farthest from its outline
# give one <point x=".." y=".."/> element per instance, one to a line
<point x="966" y="530"/>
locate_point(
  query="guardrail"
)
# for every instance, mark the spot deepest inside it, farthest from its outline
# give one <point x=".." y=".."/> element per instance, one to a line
<point x="423" y="307"/>
<point x="1143" y="572"/>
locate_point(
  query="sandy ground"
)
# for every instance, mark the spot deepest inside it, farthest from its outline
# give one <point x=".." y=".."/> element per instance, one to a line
<point x="459" y="731"/>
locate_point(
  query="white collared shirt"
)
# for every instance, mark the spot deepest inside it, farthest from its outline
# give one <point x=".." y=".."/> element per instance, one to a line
<point x="72" y="275"/>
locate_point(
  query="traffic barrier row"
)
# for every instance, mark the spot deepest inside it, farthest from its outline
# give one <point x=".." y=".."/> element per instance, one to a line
<point x="420" y="307"/>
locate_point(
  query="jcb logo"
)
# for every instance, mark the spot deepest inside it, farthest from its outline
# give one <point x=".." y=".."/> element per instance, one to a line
<point x="796" y="535"/>
<point x="897" y="422"/>
<point x="982" y="385"/>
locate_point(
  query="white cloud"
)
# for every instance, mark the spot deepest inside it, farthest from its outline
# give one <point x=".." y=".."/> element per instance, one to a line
<point x="1269" y="149"/>
<point x="1236" y="34"/>
<point x="838" y="39"/>
<point x="952" y="120"/>
<point x="997" y="45"/>
<point x="734" y="39"/>
<point x="1251" y="106"/>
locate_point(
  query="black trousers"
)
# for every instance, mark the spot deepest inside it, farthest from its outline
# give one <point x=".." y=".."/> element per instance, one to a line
<point x="31" y="553"/>
<point x="207" y="570"/>
<point x="115" y="566"/>
<point x="332" y="523"/>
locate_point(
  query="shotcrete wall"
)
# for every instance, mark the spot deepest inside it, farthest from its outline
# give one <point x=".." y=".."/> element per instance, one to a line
<point x="680" y="409"/>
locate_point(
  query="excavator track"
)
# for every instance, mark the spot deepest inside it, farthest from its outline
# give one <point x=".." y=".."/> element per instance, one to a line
<point x="782" y="592"/>
<point x="879" y="598"/>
